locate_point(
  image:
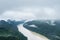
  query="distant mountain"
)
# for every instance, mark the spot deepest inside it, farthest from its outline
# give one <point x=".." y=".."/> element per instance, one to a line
<point x="48" y="28"/>
<point x="9" y="31"/>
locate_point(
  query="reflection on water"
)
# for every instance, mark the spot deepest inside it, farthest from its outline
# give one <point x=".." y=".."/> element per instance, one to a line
<point x="30" y="35"/>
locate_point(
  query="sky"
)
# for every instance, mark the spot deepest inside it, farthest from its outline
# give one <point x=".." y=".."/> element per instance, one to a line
<point x="40" y="9"/>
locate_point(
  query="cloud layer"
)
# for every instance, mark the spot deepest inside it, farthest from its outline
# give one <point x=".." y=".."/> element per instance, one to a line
<point x="41" y="9"/>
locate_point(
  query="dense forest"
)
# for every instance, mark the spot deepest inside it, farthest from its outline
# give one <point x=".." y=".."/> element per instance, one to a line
<point x="48" y="28"/>
<point x="9" y="31"/>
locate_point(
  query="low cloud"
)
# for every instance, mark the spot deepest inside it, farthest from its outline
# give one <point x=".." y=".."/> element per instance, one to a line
<point x="31" y="13"/>
<point x="16" y="15"/>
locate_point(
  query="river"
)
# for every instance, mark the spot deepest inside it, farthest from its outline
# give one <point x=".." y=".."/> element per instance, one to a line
<point x="30" y="35"/>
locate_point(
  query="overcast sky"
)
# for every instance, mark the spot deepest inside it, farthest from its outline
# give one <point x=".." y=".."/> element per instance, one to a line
<point x="41" y="9"/>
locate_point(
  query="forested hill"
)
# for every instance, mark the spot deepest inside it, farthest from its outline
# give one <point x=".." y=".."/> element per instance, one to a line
<point x="48" y="28"/>
<point x="9" y="31"/>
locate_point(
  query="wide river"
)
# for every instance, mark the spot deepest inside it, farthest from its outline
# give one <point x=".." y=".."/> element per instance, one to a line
<point x="30" y="35"/>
